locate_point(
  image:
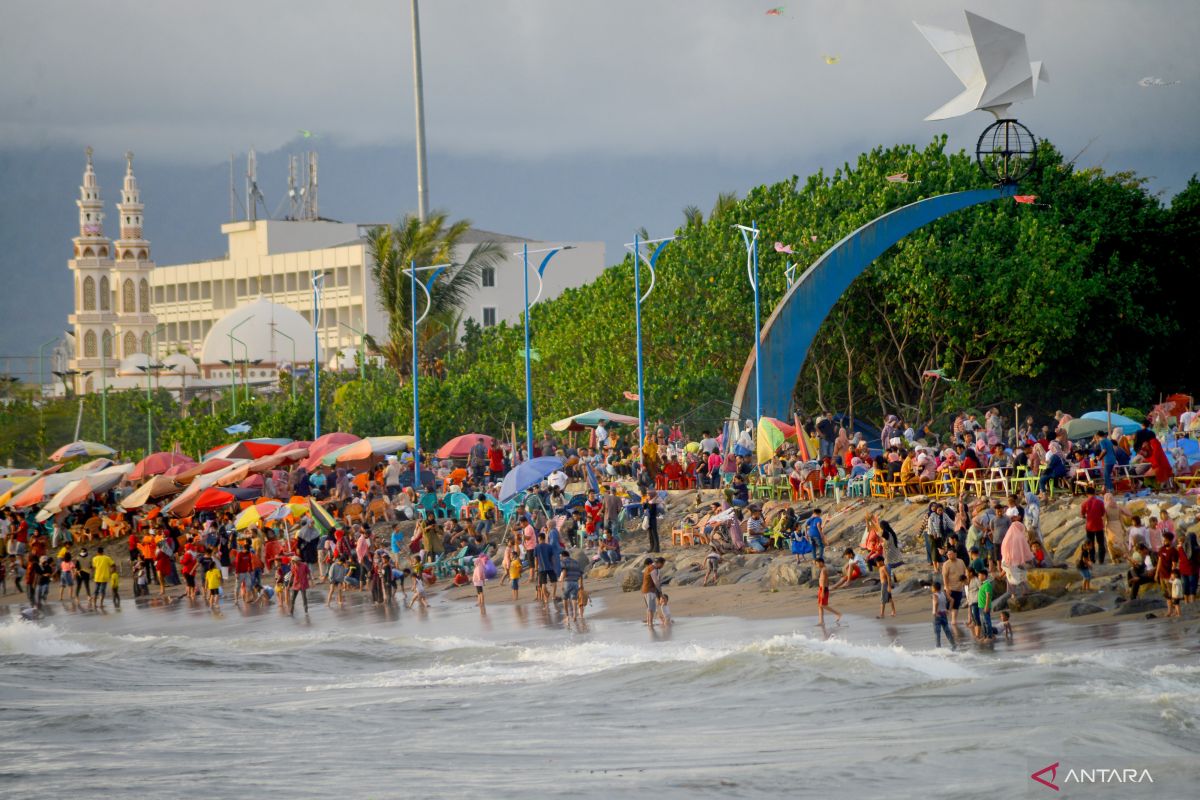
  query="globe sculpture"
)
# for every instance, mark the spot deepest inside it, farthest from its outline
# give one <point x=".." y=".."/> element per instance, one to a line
<point x="1006" y="152"/>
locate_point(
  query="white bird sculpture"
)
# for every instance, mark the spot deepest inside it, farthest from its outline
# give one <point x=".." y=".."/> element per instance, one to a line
<point x="991" y="61"/>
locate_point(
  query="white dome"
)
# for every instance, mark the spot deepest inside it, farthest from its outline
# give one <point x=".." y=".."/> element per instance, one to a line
<point x="179" y="364"/>
<point x="262" y="334"/>
<point x="130" y="364"/>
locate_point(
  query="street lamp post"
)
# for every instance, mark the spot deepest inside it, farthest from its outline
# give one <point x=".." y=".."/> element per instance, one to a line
<point x="233" y="360"/>
<point x="362" y="350"/>
<point x="151" y="364"/>
<point x="425" y="287"/>
<point x="750" y="238"/>
<point x="1109" y="394"/>
<point x="550" y="252"/>
<point x="275" y="328"/>
<point x="318" y="280"/>
<point x="638" y="298"/>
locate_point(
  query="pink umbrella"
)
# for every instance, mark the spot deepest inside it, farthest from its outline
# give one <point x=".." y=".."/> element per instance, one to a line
<point x="460" y="446"/>
<point x="159" y="463"/>
<point x="326" y="444"/>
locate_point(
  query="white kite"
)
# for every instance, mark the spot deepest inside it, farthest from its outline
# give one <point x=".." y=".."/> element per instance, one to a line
<point x="991" y="61"/>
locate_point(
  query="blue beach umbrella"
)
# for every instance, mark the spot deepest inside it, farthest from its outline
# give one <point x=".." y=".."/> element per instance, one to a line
<point x="527" y="474"/>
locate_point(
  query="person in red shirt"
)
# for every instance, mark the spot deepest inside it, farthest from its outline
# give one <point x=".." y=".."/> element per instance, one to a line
<point x="243" y="567"/>
<point x="187" y="565"/>
<point x="1167" y="561"/>
<point x="594" y="511"/>
<point x="1094" y="516"/>
<point x="495" y="460"/>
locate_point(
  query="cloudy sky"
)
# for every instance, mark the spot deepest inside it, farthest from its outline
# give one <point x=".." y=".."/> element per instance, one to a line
<point x="704" y="84"/>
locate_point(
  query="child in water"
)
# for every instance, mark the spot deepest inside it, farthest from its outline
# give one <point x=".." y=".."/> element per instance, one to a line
<point x="664" y="610"/>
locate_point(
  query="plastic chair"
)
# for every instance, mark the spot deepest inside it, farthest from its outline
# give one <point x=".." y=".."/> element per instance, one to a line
<point x="456" y="502"/>
<point x="429" y="502"/>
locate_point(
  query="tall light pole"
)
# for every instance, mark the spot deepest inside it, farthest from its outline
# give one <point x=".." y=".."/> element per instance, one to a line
<point x="638" y="298"/>
<point x="550" y="252"/>
<point x="275" y="329"/>
<point x="233" y="362"/>
<point x="362" y="350"/>
<point x="419" y="100"/>
<point x="151" y="364"/>
<point x="318" y="279"/>
<point x="425" y="287"/>
<point x="750" y="238"/>
<point x="1109" y="394"/>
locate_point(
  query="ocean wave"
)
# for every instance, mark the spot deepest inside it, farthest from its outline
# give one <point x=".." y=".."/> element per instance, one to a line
<point x="21" y="637"/>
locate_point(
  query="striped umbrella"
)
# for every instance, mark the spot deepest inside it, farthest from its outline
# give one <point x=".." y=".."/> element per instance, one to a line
<point x="254" y="514"/>
<point x="77" y="449"/>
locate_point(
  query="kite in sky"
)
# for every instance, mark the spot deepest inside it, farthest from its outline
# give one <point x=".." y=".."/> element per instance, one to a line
<point x="937" y="374"/>
<point x="241" y="427"/>
<point x="831" y="59"/>
<point x="1027" y="199"/>
<point x="308" y="134"/>
<point x="777" y="11"/>
<point x="1151" y="82"/>
<point x="780" y="247"/>
<point x="900" y="177"/>
<point x="630" y="395"/>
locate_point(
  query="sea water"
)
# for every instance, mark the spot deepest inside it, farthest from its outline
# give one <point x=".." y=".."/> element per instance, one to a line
<point x="169" y="700"/>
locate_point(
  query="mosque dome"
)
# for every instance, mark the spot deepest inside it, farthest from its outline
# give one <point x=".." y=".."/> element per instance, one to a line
<point x="264" y="328"/>
<point x="179" y="364"/>
<point x="131" y="364"/>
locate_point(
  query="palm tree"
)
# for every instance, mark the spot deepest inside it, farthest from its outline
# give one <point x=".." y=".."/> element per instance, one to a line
<point x="393" y="250"/>
<point x="726" y="201"/>
<point x="693" y="217"/>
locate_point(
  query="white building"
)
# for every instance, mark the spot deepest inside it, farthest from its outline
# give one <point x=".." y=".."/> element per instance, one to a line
<point x="121" y="297"/>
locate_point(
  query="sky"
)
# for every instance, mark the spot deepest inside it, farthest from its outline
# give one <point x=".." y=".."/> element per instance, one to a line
<point x="552" y="100"/>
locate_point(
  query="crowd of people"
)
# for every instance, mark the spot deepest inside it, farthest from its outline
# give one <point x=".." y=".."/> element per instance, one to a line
<point x="463" y="534"/>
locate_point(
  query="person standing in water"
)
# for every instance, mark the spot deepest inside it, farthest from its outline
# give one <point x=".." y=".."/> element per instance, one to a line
<point x="300" y="583"/>
<point x="823" y="594"/>
<point x="941" y="621"/>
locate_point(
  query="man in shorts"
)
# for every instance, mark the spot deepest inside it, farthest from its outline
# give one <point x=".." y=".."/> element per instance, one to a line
<point x="547" y="576"/>
<point x="651" y="585"/>
<point x="954" y="578"/>
<point x="572" y="579"/>
<point x="102" y="568"/>
<point x="823" y="593"/>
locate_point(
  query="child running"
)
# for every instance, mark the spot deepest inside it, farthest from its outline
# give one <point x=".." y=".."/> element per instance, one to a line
<point x="823" y="593"/>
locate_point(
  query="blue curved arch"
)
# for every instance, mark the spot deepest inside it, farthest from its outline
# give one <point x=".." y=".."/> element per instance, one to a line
<point x="792" y="326"/>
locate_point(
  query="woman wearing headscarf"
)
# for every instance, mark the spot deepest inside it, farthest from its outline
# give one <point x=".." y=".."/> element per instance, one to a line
<point x="1037" y="457"/>
<point x="841" y="446"/>
<point x="1115" y="518"/>
<point x="1056" y="467"/>
<point x="1015" y="553"/>
<point x="650" y="455"/>
<point x="1153" y="452"/>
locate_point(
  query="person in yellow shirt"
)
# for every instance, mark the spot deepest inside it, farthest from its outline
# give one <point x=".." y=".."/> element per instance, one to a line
<point x="103" y="568"/>
<point x="212" y="579"/>
<point x="114" y="583"/>
<point x="514" y="574"/>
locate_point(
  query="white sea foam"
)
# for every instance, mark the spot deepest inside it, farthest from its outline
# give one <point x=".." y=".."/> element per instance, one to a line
<point x="21" y="637"/>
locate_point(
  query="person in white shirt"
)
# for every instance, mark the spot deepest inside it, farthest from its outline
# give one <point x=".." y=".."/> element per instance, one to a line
<point x="601" y="435"/>
<point x="708" y="443"/>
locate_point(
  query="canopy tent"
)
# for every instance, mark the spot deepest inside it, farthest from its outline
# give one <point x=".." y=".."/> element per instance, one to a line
<point x="157" y="486"/>
<point x="81" y="448"/>
<point x="363" y="451"/>
<point x="590" y="419"/>
<point x="460" y="446"/>
<point x="158" y="463"/>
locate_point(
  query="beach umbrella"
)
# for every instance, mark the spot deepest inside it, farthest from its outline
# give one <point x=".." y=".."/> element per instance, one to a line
<point x="32" y="494"/>
<point x="247" y="448"/>
<point x="366" y="449"/>
<point x="158" y="463"/>
<point x="185" y="473"/>
<point x="460" y="446"/>
<point x="772" y="434"/>
<point x="1118" y="420"/>
<point x="157" y="486"/>
<point x="213" y="498"/>
<point x="805" y="446"/>
<point x="526" y="474"/>
<point x="77" y="449"/>
<point x="260" y="465"/>
<point x="322" y="519"/>
<point x="324" y="445"/>
<point x="289" y="509"/>
<point x="254" y="514"/>
<point x="95" y="465"/>
<point x="1080" y="428"/>
<point x="590" y="419"/>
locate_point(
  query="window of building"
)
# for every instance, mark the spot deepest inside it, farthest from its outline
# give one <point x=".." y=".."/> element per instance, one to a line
<point x="343" y="276"/>
<point x="106" y="344"/>
<point x="254" y="286"/>
<point x="291" y="281"/>
<point x="89" y="345"/>
<point x="171" y="293"/>
<point x="144" y="296"/>
<point x="105" y="301"/>
<point x="206" y="326"/>
<point x="89" y="297"/>
<point x="146" y="343"/>
<point x="130" y="344"/>
<point x="278" y="284"/>
<point x="159" y="294"/>
<point x="489" y="316"/>
<point x="194" y="291"/>
<point x="172" y="331"/>
<point x="488" y="277"/>
<point x="206" y="290"/>
<point x="241" y="287"/>
<point x="195" y="329"/>
<point x="128" y="300"/>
